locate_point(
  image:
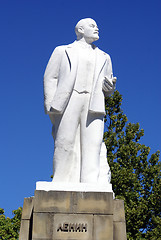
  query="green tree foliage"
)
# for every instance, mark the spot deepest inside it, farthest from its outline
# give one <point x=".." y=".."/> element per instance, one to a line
<point x="9" y="227"/>
<point x="136" y="176"/>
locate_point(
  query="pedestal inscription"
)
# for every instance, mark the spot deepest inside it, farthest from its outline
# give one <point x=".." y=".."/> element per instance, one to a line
<point x="72" y="227"/>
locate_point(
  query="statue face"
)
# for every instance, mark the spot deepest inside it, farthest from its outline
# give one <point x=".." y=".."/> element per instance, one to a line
<point x="90" y="31"/>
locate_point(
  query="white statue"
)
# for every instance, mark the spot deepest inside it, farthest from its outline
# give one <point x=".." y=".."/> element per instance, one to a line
<point x="77" y="78"/>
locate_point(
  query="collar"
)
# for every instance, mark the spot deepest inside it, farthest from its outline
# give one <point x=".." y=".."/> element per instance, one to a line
<point x="85" y="45"/>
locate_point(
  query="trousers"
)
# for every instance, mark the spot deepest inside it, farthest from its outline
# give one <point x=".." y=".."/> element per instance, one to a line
<point x="78" y="136"/>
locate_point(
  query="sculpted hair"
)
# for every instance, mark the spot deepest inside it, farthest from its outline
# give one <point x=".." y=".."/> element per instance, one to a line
<point x="81" y="23"/>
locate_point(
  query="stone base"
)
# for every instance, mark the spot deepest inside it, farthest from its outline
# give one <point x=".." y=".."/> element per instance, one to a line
<point x="71" y="215"/>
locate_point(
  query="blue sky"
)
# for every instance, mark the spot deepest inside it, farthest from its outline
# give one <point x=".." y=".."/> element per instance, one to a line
<point x="30" y="30"/>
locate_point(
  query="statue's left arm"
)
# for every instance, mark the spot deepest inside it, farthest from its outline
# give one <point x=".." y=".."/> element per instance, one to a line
<point x="109" y="81"/>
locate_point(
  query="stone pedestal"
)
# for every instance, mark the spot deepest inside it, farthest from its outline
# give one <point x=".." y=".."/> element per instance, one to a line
<point x="61" y="215"/>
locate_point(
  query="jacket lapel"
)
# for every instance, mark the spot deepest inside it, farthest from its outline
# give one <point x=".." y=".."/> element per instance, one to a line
<point x="72" y="55"/>
<point x="100" y="61"/>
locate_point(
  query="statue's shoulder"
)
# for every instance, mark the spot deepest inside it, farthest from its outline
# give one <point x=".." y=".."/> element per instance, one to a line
<point x="60" y="50"/>
<point x="64" y="47"/>
<point x="107" y="56"/>
<point x="104" y="53"/>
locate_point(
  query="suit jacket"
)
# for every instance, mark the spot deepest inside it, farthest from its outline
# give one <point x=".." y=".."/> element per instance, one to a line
<point x="60" y="75"/>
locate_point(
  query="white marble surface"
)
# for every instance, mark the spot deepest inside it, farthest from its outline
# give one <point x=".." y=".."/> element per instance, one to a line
<point x="76" y="187"/>
<point x="77" y="78"/>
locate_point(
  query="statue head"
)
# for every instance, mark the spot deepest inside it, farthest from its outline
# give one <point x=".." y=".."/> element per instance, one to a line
<point x="87" y="28"/>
